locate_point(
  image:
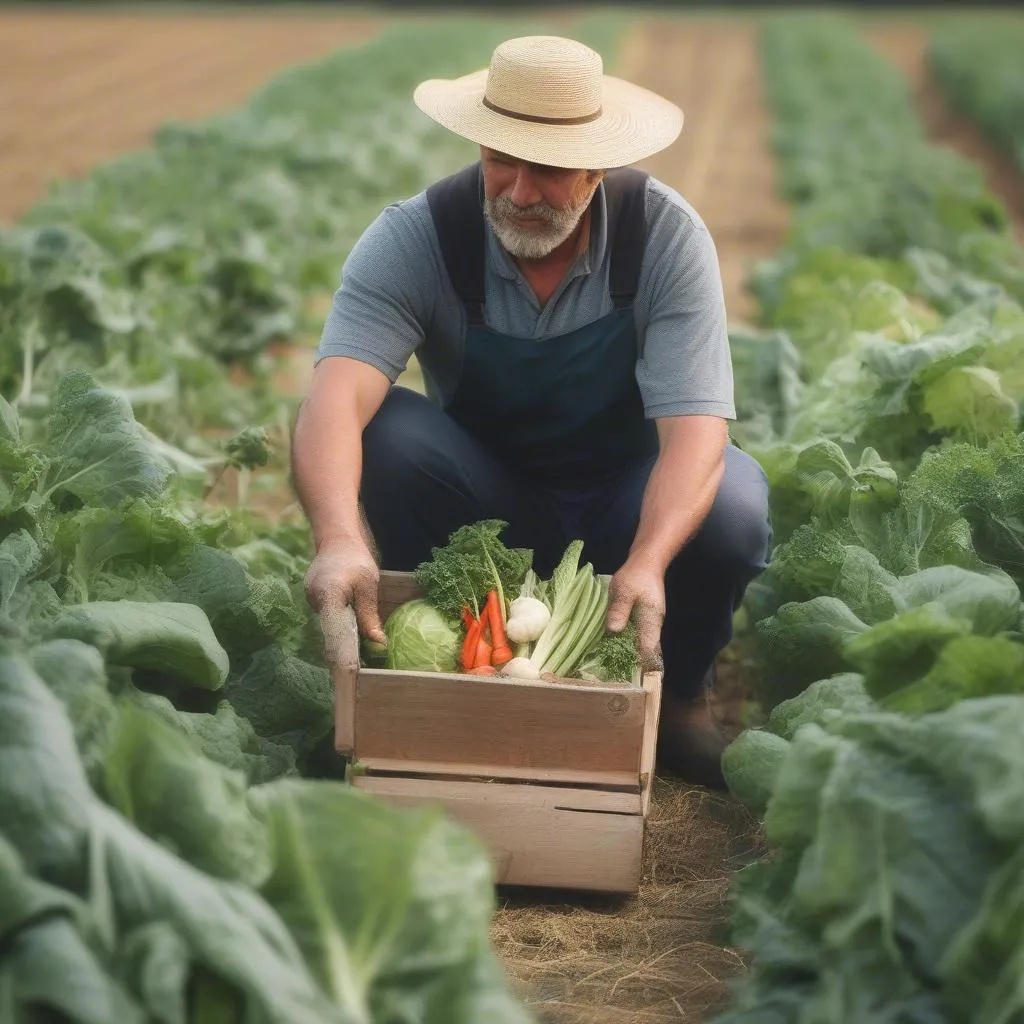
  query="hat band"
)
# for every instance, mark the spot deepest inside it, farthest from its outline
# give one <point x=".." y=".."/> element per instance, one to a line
<point x="537" y="119"/>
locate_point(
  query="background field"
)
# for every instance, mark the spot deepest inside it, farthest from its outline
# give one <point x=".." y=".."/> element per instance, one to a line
<point x="78" y="88"/>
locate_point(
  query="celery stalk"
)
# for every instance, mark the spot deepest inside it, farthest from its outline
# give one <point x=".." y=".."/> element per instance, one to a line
<point x="570" y="629"/>
<point x="564" y="609"/>
<point x="595" y="630"/>
<point x="587" y="627"/>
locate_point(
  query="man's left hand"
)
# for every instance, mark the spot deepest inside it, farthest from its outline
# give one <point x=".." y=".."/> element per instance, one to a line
<point x="638" y="588"/>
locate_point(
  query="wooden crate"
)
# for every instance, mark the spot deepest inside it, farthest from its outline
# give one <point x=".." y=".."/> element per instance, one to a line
<point x="554" y="778"/>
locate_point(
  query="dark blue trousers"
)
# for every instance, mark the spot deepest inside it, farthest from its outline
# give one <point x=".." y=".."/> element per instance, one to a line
<point x="424" y="476"/>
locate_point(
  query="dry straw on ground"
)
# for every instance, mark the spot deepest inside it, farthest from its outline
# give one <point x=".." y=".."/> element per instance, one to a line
<point x="658" y="956"/>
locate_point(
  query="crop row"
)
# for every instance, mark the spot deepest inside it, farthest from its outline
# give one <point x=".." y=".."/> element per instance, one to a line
<point x="977" y="64"/>
<point x="884" y="401"/>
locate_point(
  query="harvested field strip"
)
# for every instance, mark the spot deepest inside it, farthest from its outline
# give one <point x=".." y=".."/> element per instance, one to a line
<point x="82" y="88"/>
<point x="721" y="163"/>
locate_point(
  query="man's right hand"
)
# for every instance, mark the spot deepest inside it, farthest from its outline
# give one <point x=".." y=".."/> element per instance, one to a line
<point x="344" y="574"/>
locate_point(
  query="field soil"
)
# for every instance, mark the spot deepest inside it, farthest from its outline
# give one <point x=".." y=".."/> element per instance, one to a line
<point x="662" y="955"/>
<point x="906" y="46"/>
<point x="78" y="88"/>
<point x="720" y="164"/>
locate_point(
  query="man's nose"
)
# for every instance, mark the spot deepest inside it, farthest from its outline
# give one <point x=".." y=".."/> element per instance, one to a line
<point x="524" y="191"/>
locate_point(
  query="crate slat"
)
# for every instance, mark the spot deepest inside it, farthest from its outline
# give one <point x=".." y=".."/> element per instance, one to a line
<point x="483" y="725"/>
<point x="536" y="835"/>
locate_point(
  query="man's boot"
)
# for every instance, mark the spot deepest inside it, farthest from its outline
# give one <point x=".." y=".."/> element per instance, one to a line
<point x="690" y="744"/>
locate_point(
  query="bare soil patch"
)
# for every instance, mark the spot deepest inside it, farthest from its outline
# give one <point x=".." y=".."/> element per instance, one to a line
<point x="78" y="88"/>
<point x="906" y="46"/>
<point x="721" y="163"/>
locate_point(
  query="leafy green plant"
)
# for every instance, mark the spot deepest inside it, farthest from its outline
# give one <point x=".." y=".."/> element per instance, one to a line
<point x="977" y="65"/>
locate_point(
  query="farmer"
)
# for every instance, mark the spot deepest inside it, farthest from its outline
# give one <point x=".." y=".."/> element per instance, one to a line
<point x="568" y="315"/>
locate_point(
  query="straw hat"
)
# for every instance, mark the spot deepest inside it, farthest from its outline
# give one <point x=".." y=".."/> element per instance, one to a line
<point x="547" y="100"/>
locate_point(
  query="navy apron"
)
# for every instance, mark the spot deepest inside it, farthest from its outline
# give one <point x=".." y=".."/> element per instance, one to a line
<point x="566" y="410"/>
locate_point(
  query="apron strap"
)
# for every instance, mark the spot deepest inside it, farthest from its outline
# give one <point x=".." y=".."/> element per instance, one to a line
<point x="456" y="207"/>
<point x="625" y="190"/>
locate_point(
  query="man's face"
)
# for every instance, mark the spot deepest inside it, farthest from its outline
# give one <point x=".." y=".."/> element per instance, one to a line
<point x="533" y="209"/>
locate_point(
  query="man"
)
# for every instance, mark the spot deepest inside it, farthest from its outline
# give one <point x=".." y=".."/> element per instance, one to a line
<point x="570" y="323"/>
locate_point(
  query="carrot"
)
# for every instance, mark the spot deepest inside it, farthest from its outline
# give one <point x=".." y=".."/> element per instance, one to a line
<point x="470" y="644"/>
<point x="467" y="617"/>
<point x="501" y="652"/>
<point x="484" y="670"/>
<point x="483" y="645"/>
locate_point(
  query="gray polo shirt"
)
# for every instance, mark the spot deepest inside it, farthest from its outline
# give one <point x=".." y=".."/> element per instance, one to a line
<point x="395" y="299"/>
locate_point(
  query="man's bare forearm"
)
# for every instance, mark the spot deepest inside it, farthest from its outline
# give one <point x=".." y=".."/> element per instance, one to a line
<point x="327" y="454"/>
<point x="681" y="488"/>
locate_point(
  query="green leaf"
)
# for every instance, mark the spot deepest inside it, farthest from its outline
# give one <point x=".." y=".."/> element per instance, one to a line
<point x="19" y="558"/>
<point x="47" y="961"/>
<point x="968" y="402"/>
<point x="223" y="736"/>
<point x="285" y="698"/>
<point x="225" y="927"/>
<point x="135" y="533"/>
<point x="10" y="425"/>
<point x="822" y="702"/>
<point x="391" y="908"/>
<point x="96" y="450"/>
<point x="751" y="764"/>
<point x="44" y="794"/>
<point x="897" y="651"/>
<point x="988" y="600"/>
<point x="247" y="613"/>
<point x="171" y="638"/>
<point x="196" y="807"/>
<point x="248" y="449"/>
<point x="75" y="672"/>
<point x="803" y="642"/>
<point x="968" y="667"/>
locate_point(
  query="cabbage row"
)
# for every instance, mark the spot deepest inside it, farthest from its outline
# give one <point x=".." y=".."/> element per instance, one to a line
<point x="884" y="400"/>
<point x="177" y="841"/>
<point x="161" y="693"/>
<point x="977" y="65"/>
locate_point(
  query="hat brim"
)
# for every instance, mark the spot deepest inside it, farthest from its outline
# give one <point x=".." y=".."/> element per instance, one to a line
<point x="634" y="124"/>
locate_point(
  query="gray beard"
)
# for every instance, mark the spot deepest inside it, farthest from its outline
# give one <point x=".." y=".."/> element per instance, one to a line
<point x="538" y="240"/>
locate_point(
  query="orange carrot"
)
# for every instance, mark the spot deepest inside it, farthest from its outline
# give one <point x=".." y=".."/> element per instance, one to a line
<point x="501" y="652"/>
<point x="470" y="644"/>
<point x="483" y="645"/>
<point x="484" y="670"/>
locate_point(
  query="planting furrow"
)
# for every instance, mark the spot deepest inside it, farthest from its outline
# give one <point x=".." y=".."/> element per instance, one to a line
<point x="158" y="68"/>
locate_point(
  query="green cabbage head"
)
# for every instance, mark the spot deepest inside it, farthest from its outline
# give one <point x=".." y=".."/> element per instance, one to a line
<point x="420" y="639"/>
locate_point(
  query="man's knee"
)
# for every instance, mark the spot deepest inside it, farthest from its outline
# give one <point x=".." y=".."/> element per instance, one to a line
<point x="737" y="534"/>
<point x="395" y="425"/>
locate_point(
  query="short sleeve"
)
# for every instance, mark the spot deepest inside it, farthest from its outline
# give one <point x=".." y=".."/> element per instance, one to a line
<point x="685" y="366"/>
<point x="383" y="305"/>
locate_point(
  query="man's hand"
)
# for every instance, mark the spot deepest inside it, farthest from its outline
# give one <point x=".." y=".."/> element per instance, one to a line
<point x="344" y="574"/>
<point x="638" y="588"/>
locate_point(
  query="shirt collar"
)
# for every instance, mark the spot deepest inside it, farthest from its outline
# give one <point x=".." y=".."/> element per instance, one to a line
<point x="502" y="263"/>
